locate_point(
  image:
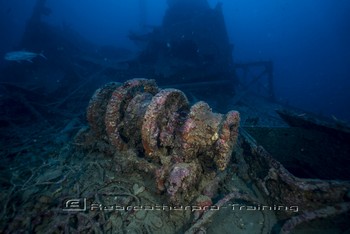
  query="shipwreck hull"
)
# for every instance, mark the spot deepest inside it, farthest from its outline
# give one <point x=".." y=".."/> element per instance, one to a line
<point x="279" y="185"/>
<point x="306" y="153"/>
<point x="304" y="165"/>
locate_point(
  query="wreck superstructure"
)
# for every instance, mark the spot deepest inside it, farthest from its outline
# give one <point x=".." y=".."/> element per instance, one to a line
<point x="191" y="48"/>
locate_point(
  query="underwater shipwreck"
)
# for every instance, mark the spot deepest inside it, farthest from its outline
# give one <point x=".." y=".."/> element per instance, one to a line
<point x="176" y="139"/>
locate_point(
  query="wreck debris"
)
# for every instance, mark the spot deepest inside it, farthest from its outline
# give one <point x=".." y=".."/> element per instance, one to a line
<point x="199" y="225"/>
<point x="186" y="145"/>
<point x="279" y="185"/>
<point x="328" y="211"/>
<point x="182" y="177"/>
<point x="308" y="121"/>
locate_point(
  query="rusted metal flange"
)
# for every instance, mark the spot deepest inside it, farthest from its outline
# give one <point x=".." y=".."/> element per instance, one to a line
<point x="97" y="107"/>
<point x="117" y="105"/>
<point x="162" y="121"/>
<point x="227" y="139"/>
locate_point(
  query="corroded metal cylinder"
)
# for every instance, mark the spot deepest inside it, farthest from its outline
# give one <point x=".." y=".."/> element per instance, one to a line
<point x="161" y="123"/>
<point x="183" y="142"/>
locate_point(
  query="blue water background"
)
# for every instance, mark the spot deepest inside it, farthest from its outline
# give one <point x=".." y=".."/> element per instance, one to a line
<point x="308" y="40"/>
